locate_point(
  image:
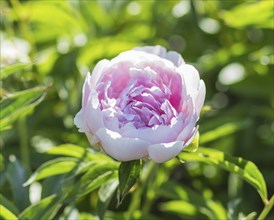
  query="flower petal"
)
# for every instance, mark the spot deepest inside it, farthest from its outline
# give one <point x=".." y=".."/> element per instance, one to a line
<point x="93" y="114"/>
<point x="165" y="151"/>
<point x="199" y="102"/>
<point x="120" y="148"/>
<point x="191" y="79"/>
<point x="78" y="121"/>
<point x="175" y="58"/>
<point x="97" y="73"/>
<point x="152" y="135"/>
<point x="160" y="51"/>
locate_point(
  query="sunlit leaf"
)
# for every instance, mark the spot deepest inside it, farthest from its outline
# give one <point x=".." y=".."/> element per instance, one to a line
<point x="18" y="104"/>
<point x="128" y="175"/>
<point x="43" y="210"/>
<point x="222" y="131"/>
<point x="77" y="152"/>
<point x="6" y="214"/>
<point x="175" y="206"/>
<point x="243" y="15"/>
<point x="53" y="167"/>
<point x="96" y="176"/>
<point x="8" y="204"/>
<point x="10" y="69"/>
<point x="246" y="169"/>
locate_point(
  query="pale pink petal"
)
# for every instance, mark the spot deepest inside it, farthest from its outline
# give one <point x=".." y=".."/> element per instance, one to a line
<point x="160" y="51"/>
<point x="175" y="58"/>
<point x="97" y="72"/>
<point x="120" y="148"/>
<point x="199" y="102"/>
<point x="191" y="79"/>
<point x="192" y="136"/>
<point x="187" y="131"/>
<point x="165" y="151"/>
<point x="159" y="134"/>
<point x="78" y="121"/>
<point x="156" y="50"/>
<point x="93" y="114"/>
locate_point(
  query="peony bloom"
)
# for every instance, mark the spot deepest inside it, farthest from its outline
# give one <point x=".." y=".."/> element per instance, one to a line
<point x="144" y="103"/>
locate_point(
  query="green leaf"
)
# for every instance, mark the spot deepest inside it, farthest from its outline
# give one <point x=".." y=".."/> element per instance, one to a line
<point x="19" y="104"/>
<point x="175" y="206"/>
<point x="246" y="169"/>
<point x="243" y="15"/>
<point x="8" y="204"/>
<point x="2" y="164"/>
<point x="196" y="202"/>
<point x="53" y="167"/>
<point x="17" y="175"/>
<point x="43" y="210"/>
<point x="223" y="130"/>
<point x="6" y="214"/>
<point x="96" y="176"/>
<point x="10" y="69"/>
<point x="77" y="152"/>
<point x="105" y="194"/>
<point x="128" y="174"/>
<point x="194" y="144"/>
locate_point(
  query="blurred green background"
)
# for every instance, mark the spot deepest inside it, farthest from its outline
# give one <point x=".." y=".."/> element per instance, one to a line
<point x="229" y="42"/>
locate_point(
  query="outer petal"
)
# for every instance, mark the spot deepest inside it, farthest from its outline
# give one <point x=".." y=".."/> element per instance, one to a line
<point x="92" y="114"/>
<point x="120" y="148"/>
<point x="161" y="134"/>
<point x="97" y="72"/>
<point x="78" y="121"/>
<point x="191" y="79"/>
<point x="160" y="51"/>
<point x="199" y="102"/>
<point x="165" y="151"/>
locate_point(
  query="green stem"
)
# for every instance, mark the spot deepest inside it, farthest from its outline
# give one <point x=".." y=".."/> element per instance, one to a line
<point x="24" y="145"/>
<point x="136" y="198"/>
<point x="268" y="206"/>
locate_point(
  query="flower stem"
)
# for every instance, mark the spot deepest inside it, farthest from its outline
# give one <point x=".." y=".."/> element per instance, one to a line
<point x="136" y="198"/>
<point x="268" y="206"/>
<point x="24" y="146"/>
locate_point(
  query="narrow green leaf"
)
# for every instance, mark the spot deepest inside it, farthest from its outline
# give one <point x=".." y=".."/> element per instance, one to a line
<point x="53" y="167"/>
<point x="223" y="130"/>
<point x="175" y="206"/>
<point x="77" y="152"/>
<point x="128" y="175"/>
<point x="10" y="69"/>
<point x="246" y="169"/>
<point x="2" y="164"/>
<point x="203" y="205"/>
<point x="105" y="194"/>
<point x="19" y="104"/>
<point x="96" y="176"/>
<point x="194" y="144"/>
<point x="6" y="214"/>
<point x="43" y="210"/>
<point x="8" y="204"/>
<point x="17" y="175"/>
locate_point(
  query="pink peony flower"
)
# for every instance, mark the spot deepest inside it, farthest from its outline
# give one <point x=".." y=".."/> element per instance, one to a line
<point x="144" y="103"/>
